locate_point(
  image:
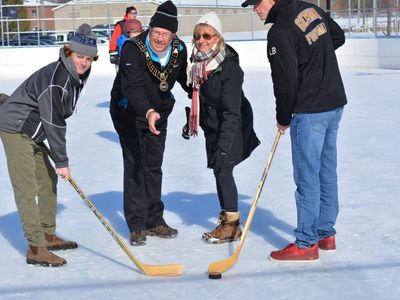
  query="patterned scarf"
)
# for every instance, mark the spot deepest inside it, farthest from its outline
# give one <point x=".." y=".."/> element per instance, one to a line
<point x="202" y="65"/>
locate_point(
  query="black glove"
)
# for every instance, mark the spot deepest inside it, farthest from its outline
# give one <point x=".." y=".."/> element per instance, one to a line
<point x="185" y="129"/>
<point x="218" y="159"/>
<point x="114" y="59"/>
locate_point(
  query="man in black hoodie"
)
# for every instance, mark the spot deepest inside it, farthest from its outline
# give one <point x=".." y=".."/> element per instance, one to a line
<point x="309" y="99"/>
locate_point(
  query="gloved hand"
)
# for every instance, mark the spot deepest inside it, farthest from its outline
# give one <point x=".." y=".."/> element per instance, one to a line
<point x="185" y="129"/>
<point x="218" y="159"/>
<point x="114" y="59"/>
<point x="123" y="104"/>
<point x="185" y="132"/>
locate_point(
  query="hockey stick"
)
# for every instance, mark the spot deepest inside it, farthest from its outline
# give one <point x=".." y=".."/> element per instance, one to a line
<point x="215" y="269"/>
<point x="151" y="270"/>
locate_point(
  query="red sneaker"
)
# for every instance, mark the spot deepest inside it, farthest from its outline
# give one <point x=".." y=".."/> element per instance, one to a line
<point x="294" y="253"/>
<point x="327" y="243"/>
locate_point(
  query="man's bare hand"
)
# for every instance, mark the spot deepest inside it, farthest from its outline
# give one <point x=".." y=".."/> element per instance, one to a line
<point x="152" y="118"/>
<point x="63" y="173"/>
<point x="282" y="128"/>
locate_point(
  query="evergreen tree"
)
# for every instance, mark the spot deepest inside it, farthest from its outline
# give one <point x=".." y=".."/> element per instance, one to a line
<point x="15" y="16"/>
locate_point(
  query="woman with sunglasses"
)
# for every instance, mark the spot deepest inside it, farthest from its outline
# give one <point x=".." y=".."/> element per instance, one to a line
<point x="225" y="115"/>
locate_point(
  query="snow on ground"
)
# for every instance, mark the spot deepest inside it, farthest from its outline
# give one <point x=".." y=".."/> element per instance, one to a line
<point x="365" y="266"/>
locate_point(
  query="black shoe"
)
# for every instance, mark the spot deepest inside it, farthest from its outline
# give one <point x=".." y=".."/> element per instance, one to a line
<point x="138" y="238"/>
<point x="163" y="231"/>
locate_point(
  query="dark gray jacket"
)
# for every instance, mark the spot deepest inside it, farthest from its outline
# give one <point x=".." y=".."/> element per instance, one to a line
<point x="40" y="105"/>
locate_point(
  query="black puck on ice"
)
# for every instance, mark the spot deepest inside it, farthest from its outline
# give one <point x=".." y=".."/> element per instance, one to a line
<point x="214" y="275"/>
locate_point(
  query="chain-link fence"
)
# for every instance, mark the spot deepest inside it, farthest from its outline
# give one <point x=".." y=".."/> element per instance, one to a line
<point x="46" y="23"/>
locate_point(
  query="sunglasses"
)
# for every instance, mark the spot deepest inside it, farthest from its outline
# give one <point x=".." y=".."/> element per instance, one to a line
<point x="133" y="12"/>
<point x="206" y="36"/>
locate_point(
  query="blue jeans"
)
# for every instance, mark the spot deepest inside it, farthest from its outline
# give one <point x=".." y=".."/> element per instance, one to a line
<point x="314" y="156"/>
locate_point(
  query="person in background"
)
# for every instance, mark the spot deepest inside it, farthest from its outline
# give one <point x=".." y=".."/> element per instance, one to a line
<point x="130" y="14"/>
<point x="150" y="65"/>
<point x="132" y="28"/>
<point x="34" y="112"/>
<point x="310" y="97"/>
<point x="220" y="107"/>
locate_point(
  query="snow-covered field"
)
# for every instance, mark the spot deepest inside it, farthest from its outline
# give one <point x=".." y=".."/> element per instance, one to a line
<point x="366" y="264"/>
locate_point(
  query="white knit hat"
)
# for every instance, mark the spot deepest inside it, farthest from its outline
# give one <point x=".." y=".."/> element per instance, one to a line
<point x="211" y="19"/>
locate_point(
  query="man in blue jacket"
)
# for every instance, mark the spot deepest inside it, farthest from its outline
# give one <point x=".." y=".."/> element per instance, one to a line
<point x="310" y="97"/>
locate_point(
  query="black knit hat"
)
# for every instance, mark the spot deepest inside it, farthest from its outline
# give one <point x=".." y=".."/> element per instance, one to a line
<point x="165" y="17"/>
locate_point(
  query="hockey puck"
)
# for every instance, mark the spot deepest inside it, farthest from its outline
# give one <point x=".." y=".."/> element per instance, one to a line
<point x="214" y="275"/>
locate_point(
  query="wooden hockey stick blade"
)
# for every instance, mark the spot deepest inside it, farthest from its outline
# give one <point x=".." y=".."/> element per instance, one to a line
<point x="151" y="270"/>
<point x="223" y="265"/>
<point x="162" y="270"/>
<point x="220" y="266"/>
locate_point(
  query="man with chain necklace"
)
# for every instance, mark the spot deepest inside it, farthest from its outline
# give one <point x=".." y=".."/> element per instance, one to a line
<point x="141" y="101"/>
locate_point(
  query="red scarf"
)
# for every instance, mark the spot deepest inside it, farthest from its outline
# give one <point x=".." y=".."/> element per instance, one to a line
<point x="203" y="64"/>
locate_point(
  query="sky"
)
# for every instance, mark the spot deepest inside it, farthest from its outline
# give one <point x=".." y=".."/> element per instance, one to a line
<point x="365" y="266"/>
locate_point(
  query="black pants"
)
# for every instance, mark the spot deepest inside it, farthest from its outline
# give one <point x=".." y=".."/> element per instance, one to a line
<point x="143" y="157"/>
<point x="226" y="189"/>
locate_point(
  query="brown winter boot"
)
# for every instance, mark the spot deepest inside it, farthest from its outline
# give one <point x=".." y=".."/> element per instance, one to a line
<point x="43" y="257"/>
<point x="53" y="242"/>
<point x="227" y="230"/>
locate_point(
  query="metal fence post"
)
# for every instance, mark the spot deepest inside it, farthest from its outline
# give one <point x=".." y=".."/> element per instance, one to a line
<point x="109" y="19"/>
<point x="349" y="8"/>
<point x="397" y="18"/>
<point x="37" y="22"/>
<point x="1" y="20"/>
<point x="374" y="17"/>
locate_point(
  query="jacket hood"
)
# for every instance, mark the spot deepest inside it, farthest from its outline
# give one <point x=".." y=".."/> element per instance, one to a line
<point x="69" y="65"/>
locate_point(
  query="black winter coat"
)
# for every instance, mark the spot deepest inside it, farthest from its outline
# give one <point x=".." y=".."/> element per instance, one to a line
<point x="305" y="71"/>
<point x="226" y="116"/>
<point x="135" y="83"/>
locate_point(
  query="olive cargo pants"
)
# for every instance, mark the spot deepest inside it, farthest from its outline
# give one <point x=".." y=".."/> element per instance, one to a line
<point x="32" y="178"/>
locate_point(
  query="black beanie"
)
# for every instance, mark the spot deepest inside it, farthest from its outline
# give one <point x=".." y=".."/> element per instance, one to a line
<point x="165" y="17"/>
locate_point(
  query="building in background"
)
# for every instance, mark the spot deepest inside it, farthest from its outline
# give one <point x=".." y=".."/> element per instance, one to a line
<point x="60" y="17"/>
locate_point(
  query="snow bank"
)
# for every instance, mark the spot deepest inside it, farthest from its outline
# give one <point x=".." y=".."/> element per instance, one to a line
<point x="364" y="53"/>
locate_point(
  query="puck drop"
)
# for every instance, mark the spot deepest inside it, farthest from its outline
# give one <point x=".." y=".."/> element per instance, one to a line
<point x="214" y="275"/>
